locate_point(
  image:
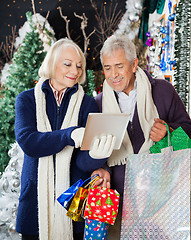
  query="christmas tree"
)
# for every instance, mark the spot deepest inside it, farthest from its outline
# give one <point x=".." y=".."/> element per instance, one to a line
<point x="9" y="193"/>
<point x="90" y="87"/>
<point x="23" y="74"/>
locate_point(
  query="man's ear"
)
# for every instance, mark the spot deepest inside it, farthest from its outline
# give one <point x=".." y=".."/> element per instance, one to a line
<point x="135" y="64"/>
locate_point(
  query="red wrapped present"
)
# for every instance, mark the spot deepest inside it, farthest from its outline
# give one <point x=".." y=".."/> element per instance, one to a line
<point x="102" y="204"/>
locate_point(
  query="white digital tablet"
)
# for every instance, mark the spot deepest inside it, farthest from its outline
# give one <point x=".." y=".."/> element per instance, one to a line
<point x="100" y="124"/>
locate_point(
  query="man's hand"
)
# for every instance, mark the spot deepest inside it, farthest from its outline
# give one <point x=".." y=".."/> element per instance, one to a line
<point x="158" y="130"/>
<point x="104" y="180"/>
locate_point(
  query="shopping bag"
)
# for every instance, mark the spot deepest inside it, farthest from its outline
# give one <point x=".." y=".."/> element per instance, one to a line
<point x="76" y="206"/>
<point x="95" y="230"/>
<point x="102" y="204"/>
<point x="156" y="201"/>
<point x="178" y="139"/>
<point x="78" y="201"/>
<point x="66" y="197"/>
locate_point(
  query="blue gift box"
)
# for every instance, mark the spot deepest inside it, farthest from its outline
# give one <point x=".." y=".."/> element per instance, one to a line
<point x="95" y="230"/>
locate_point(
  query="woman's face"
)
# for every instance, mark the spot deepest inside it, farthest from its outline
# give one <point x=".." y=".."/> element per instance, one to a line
<point x="68" y="69"/>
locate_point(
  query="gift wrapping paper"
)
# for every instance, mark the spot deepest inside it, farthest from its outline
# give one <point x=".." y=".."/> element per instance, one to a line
<point x="102" y="204"/>
<point x="95" y="230"/>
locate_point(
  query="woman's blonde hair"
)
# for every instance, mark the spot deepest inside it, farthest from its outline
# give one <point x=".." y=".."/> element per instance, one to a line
<point x="47" y="69"/>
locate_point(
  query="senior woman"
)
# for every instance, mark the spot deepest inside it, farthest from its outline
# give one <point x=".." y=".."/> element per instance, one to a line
<point x="49" y="127"/>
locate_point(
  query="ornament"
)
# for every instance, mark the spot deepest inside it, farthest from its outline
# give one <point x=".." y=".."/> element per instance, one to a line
<point x="14" y="211"/>
<point x="149" y="42"/>
<point x="5" y="184"/>
<point x="171" y="17"/>
<point x="14" y="164"/>
<point x="162" y="30"/>
<point x="16" y="183"/>
<point x="12" y="227"/>
<point x="163" y="40"/>
<point x="133" y="17"/>
<point x="152" y="48"/>
<point x="148" y="34"/>
<point x="16" y="175"/>
<point x="138" y="6"/>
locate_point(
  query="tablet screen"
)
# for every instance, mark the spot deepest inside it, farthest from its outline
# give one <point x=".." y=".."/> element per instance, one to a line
<point x="101" y="124"/>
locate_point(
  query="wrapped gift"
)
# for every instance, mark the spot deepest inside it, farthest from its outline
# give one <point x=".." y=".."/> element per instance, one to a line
<point x="95" y="230"/>
<point x="102" y="204"/>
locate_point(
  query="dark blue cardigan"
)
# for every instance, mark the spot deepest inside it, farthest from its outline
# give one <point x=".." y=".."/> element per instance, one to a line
<point x="170" y="109"/>
<point x="39" y="144"/>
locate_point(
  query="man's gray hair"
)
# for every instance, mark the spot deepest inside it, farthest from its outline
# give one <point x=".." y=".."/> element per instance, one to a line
<point x="116" y="42"/>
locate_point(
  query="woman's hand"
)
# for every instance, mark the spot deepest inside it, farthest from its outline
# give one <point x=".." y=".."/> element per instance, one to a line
<point x="103" y="147"/>
<point x="77" y="135"/>
<point x="104" y="180"/>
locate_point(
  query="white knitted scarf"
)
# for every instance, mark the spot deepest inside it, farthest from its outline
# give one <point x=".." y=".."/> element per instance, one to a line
<point x="147" y="111"/>
<point x="53" y="222"/>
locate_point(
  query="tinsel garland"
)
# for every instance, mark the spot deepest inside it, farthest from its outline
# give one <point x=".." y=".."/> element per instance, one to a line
<point x="182" y="49"/>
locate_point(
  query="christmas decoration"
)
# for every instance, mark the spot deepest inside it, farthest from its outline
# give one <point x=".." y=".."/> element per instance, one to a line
<point x="102" y="204"/>
<point x="46" y="33"/>
<point x="160" y="42"/>
<point x="95" y="230"/>
<point x="182" y="49"/>
<point x="90" y="89"/>
<point x="129" y="23"/>
<point x="9" y="194"/>
<point x="23" y="74"/>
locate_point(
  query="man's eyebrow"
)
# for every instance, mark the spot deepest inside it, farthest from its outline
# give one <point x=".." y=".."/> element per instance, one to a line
<point x="117" y="64"/>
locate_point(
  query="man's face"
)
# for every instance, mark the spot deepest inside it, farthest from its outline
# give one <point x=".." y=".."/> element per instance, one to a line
<point x="119" y="73"/>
